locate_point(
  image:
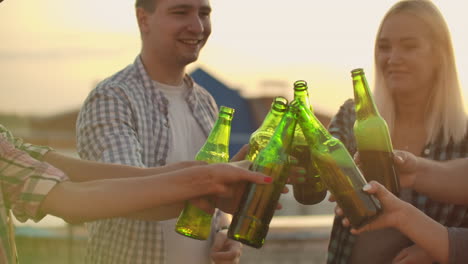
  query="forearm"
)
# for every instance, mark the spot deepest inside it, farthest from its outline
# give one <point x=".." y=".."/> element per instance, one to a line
<point x="159" y="213"/>
<point x="83" y="170"/>
<point x="444" y="181"/>
<point x="77" y="202"/>
<point x="426" y="233"/>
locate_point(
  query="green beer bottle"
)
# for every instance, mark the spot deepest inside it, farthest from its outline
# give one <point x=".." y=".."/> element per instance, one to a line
<point x="258" y="204"/>
<point x="260" y="138"/>
<point x="372" y="137"/>
<point x="194" y="222"/>
<point x="337" y="169"/>
<point x="311" y="190"/>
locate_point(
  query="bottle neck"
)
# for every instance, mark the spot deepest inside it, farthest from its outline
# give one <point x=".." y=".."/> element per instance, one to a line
<point x="271" y="120"/>
<point x="221" y="131"/>
<point x="314" y="132"/>
<point x="281" y="140"/>
<point x="364" y="103"/>
<point x="303" y="97"/>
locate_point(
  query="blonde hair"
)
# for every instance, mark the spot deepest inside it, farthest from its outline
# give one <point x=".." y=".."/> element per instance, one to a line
<point x="445" y="111"/>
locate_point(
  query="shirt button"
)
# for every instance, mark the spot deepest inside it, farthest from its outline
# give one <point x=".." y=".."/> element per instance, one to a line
<point x="427" y="151"/>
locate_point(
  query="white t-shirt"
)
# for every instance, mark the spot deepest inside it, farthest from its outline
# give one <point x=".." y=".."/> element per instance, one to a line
<point x="187" y="138"/>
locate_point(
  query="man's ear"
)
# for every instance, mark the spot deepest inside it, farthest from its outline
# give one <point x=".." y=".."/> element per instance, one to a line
<point x="142" y="19"/>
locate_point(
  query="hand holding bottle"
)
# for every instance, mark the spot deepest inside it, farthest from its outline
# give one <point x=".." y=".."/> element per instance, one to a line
<point x="225" y="182"/>
<point x="230" y="180"/>
<point x="409" y="167"/>
<point x="394" y="214"/>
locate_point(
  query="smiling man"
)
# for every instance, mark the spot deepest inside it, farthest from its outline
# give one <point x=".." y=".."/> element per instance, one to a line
<point x="150" y="114"/>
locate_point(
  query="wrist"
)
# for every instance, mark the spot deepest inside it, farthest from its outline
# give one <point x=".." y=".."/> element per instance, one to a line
<point x="406" y="217"/>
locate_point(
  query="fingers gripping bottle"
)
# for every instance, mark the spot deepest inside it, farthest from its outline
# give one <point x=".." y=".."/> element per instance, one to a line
<point x="258" y="204"/>
<point x="337" y="169"/>
<point x="194" y="222"/>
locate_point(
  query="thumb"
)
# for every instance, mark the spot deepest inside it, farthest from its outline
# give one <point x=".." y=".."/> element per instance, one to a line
<point x="242" y="153"/>
<point x="245" y="164"/>
<point x="405" y="160"/>
<point x="384" y="196"/>
<point x="219" y="240"/>
<point x="399" y="156"/>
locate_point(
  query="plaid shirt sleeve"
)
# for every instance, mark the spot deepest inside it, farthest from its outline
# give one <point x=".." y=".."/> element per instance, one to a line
<point x="341" y="127"/>
<point x="34" y="151"/>
<point x="25" y="180"/>
<point x="458" y="243"/>
<point x="106" y="129"/>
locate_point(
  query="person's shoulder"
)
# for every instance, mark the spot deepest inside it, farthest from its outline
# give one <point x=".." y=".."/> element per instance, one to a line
<point x="345" y="114"/>
<point x="5" y="133"/>
<point x="198" y="89"/>
<point x="122" y="81"/>
<point x="348" y="107"/>
<point x="348" y="104"/>
<point x="202" y="91"/>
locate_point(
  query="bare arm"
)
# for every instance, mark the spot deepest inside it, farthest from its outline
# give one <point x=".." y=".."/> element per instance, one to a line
<point x="84" y="170"/>
<point x="445" y="181"/>
<point x="86" y="201"/>
<point x="425" y="232"/>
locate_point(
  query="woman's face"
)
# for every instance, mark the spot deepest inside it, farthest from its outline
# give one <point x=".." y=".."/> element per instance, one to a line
<point x="405" y="56"/>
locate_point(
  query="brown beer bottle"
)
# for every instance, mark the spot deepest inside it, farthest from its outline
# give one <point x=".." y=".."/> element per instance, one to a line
<point x="310" y="190"/>
<point x="258" y="204"/>
<point x="337" y="169"/>
<point x="260" y="138"/>
<point x="194" y="222"/>
<point x="372" y="137"/>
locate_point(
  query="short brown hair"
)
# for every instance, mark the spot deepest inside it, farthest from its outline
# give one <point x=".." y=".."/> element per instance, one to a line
<point x="148" y="5"/>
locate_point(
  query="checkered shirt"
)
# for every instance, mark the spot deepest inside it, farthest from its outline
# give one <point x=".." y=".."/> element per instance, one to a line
<point x="125" y="120"/>
<point x="24" y="183"/>
<point x="341" y="240"/>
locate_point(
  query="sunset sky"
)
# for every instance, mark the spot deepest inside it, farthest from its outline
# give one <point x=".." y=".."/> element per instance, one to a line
<point x="52" y="52"/>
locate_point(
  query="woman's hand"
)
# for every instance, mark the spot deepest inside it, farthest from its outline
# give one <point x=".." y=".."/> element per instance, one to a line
<point x="393" y="213"/>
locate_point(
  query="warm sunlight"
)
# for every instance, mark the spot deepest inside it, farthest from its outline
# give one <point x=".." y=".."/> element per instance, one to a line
<point x="64" y="47"/>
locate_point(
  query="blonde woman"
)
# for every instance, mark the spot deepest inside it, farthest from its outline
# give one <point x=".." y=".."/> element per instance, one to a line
<point x="418" y="93"/>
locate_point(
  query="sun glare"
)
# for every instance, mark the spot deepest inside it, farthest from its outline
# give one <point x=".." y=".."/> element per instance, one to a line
<point x="91" y="15"/>
<point x="250" y="43"/>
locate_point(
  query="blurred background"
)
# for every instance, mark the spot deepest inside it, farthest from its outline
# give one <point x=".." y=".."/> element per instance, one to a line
<point x="53" y="52"/>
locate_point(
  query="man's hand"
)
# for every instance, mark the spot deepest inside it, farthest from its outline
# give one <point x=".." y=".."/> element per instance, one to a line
<point x="241" y="154"/>
<point x="225" y="250"/>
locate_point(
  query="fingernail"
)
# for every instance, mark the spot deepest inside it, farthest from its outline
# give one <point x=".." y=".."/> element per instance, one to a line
<point x="366" y="187"/>
<point x="344" y="222"/>
<point x="268" y="179"/>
